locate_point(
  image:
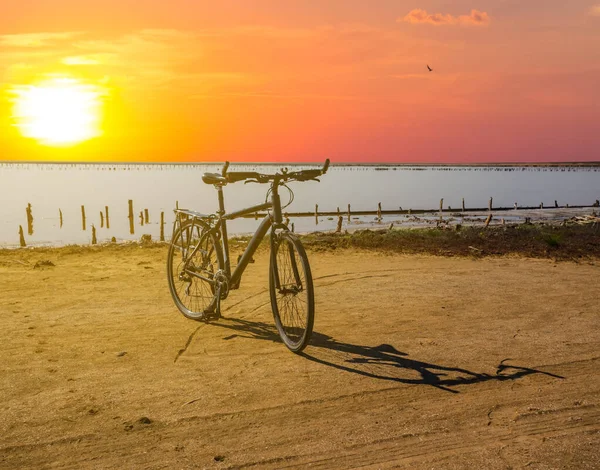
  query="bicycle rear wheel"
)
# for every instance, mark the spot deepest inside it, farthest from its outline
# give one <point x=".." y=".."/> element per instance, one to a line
<point x="192" y="261"/>
<point x="291" y="290"/>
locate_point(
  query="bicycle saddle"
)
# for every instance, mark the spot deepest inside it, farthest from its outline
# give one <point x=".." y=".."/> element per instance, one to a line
<point x="214" y="178"/>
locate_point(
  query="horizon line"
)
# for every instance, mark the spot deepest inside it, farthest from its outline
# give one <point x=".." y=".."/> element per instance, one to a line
<point x="58" y="162"/>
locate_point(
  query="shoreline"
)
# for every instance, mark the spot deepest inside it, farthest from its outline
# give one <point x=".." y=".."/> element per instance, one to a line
<point x="575" y="241"/>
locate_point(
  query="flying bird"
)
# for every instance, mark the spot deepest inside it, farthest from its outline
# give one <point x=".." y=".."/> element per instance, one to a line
<point x="429" y="68"/>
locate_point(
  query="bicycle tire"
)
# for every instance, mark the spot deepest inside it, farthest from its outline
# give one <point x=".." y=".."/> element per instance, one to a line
<point x="291" y="290"/>
<point x="194" y="297"/>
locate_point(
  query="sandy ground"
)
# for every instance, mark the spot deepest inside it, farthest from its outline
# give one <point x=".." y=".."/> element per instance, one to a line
<point x="416" y="362"/>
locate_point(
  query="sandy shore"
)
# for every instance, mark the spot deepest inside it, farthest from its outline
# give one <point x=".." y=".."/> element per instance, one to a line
<point x="416" y="362"/>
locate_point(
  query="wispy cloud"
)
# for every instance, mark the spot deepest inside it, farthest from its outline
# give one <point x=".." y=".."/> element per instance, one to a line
<point x="418" y="16"/>
<point x="594" y="10"/>
<point x="35" y="39"/>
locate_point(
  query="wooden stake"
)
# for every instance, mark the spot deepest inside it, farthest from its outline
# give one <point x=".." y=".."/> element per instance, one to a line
<point x="488" y="220"/>
<point x="162" y="226"/>
<point x="107" y="219"/>
<point x="348" y="212"/>
<point x="379" y="210"/>
<point x="316" y="214"/>
<point x="146" y="216"/>
<point x="60" y="217"/>
<point x="21" y="237"/>
<point x="101" y="219"/>
<point x="94" y="241"/>
<point x="83" y="218"/>
<point x="29" y="219"/>
<point x="555" y="204"/>
<point x="142" y="218"/>
<point x="339" y="224"/>
<point x="463" y="204"/>
<point x="130" y="217"/>
<point x="541" y="205"/>
<point x="490" y="204"/>
<point x="441" y="205"/>
<point x="292" y="226"/>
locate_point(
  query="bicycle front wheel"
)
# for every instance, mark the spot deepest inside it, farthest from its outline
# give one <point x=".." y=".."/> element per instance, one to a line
<point x="193" y="259"/>
<point x="291" y="289"/>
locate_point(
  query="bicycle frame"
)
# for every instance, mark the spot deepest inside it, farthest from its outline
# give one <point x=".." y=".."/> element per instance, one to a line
<point x="273" y="220"/>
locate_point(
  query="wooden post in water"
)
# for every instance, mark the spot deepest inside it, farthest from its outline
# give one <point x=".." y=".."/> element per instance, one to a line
<point x="101" y="219"/>
<point x="348" y="212"/>
<point x="29" y="219"/>
<point x="316" y="214"/>
<point x="142" y="218"/>
<point x="107" y="219"/>
<point x="60" y="217"/>
<point x="490" y="204"/>
<point x="379" y="211"/>
<point x="463" y="204"/>
<point x="516" y="206"/>
<point x="21" y="237"/>
<point x="292" y="226"/>
<point x="146" y="216"/>
<point x="339" y="224"/>
<point x="555" y="204"/>
<point x="541" y="205"/>
<point x="441" y="205"/>
<point x="130" y="216"/>
<point x="162" y="226"/>
<point x="83" y="217"/>
<point x="94" y="241"/>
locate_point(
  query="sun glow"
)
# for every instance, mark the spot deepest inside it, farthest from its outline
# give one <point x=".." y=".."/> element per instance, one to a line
<point x="59" y="111"/>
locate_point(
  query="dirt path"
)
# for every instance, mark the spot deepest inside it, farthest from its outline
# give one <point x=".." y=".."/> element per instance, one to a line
<point x="416" y="362"/>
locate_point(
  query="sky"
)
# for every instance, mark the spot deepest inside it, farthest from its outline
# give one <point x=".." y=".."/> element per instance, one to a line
<point x="301" y="81"/>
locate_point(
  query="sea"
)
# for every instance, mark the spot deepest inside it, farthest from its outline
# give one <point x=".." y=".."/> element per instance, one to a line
<point x="55" y="191"/>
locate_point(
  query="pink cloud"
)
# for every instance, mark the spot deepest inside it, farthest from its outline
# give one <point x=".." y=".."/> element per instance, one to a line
<point x="418" y="16"/>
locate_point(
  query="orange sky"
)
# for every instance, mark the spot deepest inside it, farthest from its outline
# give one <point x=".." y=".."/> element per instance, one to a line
<point x="284" y="80"/>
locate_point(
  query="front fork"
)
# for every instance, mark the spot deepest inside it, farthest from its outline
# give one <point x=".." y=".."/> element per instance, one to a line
<point x="275" y="241"/>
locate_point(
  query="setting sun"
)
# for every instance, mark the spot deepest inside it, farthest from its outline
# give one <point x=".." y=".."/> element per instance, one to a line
<point x="59" y="111"/>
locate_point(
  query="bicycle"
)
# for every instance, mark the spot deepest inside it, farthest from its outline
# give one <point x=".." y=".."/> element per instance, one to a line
<point x="199" y="267"/>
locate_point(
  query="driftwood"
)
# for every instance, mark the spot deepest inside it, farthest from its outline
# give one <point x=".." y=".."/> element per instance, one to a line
<point x="583" y="220"/>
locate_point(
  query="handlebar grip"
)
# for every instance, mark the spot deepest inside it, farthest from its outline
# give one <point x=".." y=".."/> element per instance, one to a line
<point x="224" y="171"/>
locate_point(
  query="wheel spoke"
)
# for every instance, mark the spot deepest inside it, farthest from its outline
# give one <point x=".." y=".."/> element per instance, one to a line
<point x="293" y="301"/>
<point x="193" y="260"/>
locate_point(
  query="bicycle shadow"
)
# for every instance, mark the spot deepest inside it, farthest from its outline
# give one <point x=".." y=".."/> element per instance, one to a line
<point x="383" y="362"/>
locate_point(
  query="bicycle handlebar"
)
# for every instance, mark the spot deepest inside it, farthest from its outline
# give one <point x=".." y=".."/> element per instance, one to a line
<point x="284" y="175"/>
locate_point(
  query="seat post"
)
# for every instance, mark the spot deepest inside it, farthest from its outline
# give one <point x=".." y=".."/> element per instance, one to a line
<point x="221" y="199"/>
